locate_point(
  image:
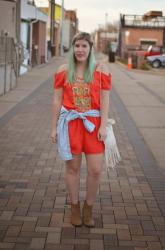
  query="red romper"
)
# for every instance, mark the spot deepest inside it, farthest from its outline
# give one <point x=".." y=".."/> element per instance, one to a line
<point x="83" y="97"/>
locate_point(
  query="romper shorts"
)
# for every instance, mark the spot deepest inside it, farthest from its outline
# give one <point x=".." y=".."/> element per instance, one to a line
<point x="83" y="141"/>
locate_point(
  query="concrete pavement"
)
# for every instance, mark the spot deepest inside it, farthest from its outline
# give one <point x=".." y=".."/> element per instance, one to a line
<point x="143" y="95"/>
<point x="34" y="207"/>
<point x="27" y="83"/>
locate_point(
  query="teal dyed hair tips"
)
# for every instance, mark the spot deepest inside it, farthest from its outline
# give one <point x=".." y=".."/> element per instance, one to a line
<point x="91" y="62"/>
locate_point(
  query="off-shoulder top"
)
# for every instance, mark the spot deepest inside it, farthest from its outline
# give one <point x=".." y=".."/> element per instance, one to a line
<point x="82" y="96"/>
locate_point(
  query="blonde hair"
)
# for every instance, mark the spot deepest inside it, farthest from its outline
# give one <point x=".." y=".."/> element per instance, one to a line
<point x="91" y="62"/>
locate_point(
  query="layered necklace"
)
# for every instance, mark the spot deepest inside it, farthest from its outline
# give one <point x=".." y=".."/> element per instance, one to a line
<point x="78" y="79"/>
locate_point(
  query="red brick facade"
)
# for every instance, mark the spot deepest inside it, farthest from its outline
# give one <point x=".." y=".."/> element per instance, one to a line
<point x="39" y="43"/>
<point x="137" y="35"/>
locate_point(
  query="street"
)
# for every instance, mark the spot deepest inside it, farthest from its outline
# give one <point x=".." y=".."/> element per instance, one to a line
<point x="143" y="95"/>
<point x="130" y="206"/>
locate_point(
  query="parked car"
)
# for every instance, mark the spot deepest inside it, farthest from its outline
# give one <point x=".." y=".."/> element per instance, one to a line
<point x="151" y="51"/>
<point x="156" y="61"/>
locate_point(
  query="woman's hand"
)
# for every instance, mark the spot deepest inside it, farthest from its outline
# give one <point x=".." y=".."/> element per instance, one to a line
<point x="54" y="135"/>
<point x="102" y="133"/>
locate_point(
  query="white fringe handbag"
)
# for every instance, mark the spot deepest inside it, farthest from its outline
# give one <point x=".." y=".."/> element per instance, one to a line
<point x="112" y="155"/>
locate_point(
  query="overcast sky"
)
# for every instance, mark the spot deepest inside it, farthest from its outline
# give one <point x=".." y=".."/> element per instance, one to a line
<point x="92" y="13"/>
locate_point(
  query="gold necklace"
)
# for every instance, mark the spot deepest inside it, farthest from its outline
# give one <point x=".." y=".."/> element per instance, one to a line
<point x="78" y="79"/>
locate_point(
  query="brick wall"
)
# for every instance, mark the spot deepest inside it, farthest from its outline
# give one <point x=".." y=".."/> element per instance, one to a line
<point x="39" y="42"/>
<point x="135" y="35"/>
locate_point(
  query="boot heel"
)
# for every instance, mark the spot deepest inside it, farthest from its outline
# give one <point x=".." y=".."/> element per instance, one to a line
<point x="87" y="215"/>
<point x="76" y="215"/>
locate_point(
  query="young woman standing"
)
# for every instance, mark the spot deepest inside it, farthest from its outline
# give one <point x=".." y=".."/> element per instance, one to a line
<point x="80" y="112"/>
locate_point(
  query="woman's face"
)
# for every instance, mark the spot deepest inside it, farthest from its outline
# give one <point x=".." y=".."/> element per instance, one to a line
<point x="81" y="50"/>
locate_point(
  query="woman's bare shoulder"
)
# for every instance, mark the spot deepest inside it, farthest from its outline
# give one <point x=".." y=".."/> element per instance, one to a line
<point x="104" y="68"/>
<point x="63" y="67"/>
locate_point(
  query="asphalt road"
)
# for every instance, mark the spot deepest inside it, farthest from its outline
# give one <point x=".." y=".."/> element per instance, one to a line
<point x="143" y="95"/>
<point x="130" y="205"/>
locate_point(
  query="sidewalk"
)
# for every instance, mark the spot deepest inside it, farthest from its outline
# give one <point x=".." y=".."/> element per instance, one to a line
<point x="34" y="208"/>
<point x="27" y="84"/>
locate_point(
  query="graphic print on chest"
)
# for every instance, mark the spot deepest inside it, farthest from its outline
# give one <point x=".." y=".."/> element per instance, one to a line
<point x="81" y="96"/>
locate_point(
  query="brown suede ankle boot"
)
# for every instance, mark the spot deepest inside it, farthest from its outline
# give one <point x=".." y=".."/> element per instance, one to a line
<point x="87" y="215"/>
<point x="76" y="215"/>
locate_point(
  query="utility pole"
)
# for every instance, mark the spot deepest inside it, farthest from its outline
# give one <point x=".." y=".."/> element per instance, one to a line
<point x="18" y="27"/>
<point x="164" y="37"/>
<point x="106" y="43"/>
<point x="106" y="20"/>
<point x="52" y="28"/>
<point x="18" y="19"/>
<point x="62" y="27"/>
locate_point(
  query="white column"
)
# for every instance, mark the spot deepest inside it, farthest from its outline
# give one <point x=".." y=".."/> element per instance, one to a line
<point x="62" y="27"/>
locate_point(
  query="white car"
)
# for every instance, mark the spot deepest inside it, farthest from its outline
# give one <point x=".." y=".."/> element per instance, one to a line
<point x="157" y="60"/>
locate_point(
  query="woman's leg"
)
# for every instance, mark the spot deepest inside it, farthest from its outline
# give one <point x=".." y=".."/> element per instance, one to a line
<point x="72" y="182"/>
<point x="72" y="175"/>
<point x="94" y="168"/>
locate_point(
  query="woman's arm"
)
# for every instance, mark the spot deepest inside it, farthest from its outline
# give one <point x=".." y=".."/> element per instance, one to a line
<point x="56" y="107"/>
<point x="57" y="103"/>
<point x="104" y="106"/>
<point x="104" y="109"/>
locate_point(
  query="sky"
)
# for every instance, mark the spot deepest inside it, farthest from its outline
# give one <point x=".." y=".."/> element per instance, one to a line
<point x="93" y="14"/>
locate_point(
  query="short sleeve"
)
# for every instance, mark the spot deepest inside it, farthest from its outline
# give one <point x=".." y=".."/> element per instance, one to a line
<point x="59" y="79"/>
<point x="106" y="81"/>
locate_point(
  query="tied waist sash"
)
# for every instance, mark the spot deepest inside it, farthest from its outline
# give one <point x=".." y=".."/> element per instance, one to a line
<point x="66" y="116"/>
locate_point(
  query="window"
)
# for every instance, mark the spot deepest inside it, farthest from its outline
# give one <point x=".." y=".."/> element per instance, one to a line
<point x="147" y="42"/>
<point x="30" y="2"/>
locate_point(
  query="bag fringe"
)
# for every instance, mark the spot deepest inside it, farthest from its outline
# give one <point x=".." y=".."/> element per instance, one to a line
<point x="112" y="155"/>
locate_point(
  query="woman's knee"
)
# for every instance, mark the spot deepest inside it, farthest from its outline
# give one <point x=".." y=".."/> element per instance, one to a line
<point x="72" y="168"/>
<point x="95" y="172"/>
<point x="94" y="164"/>
<point x="72" y="171"/>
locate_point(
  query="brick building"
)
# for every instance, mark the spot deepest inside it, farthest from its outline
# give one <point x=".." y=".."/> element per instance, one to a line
<point x="70" y="27"/>
<point x="9" y="45"/>
<point x="54" y="33"/>
<point x="104" y="39"/>
<point x="138" y="32"/>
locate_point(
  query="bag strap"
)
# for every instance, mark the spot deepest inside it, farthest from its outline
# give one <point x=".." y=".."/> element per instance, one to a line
<point x="100" y="83"/>
<point x="98" y="66"/>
